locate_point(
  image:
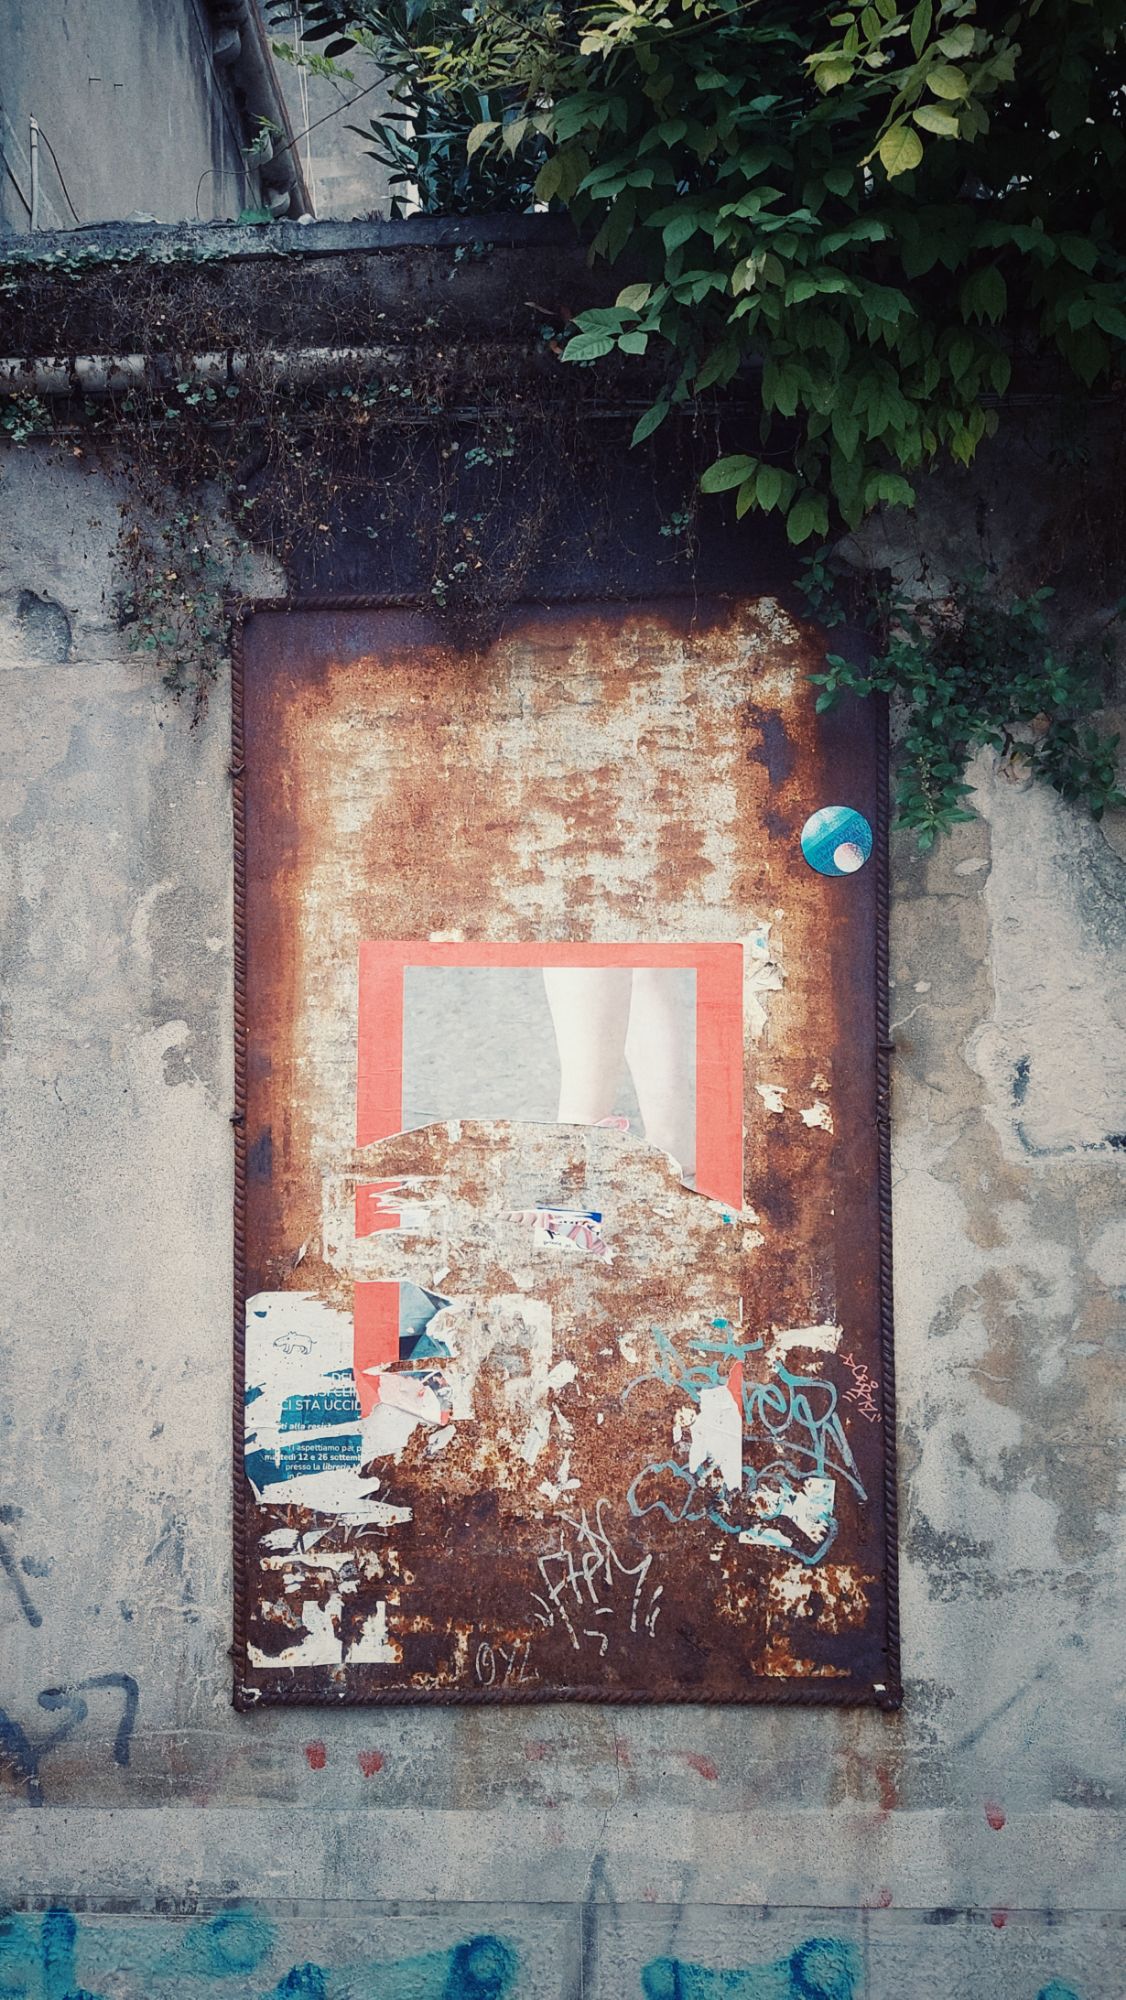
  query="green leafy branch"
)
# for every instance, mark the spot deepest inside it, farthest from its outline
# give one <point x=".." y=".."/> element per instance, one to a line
<point x="881" y="208"/>
<point x="969" y="672"/>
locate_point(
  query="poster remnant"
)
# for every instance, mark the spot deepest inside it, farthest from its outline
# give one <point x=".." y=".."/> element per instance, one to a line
<point x="563" y="1324"/>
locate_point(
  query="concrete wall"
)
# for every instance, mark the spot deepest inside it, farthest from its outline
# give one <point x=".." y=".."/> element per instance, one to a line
<point x="158" y="1843"/>
<point x="131" y="102"/>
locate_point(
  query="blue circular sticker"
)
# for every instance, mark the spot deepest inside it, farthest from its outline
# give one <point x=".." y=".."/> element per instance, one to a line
<point x="836" y="840"/>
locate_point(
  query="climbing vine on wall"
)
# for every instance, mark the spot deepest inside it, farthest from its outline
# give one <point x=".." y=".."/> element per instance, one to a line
<point x="970" y="669"/>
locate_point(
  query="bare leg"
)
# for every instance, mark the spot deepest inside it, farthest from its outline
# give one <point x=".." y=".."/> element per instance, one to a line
<point x="660" y="1053"/>
<point x="590" y="1011"/>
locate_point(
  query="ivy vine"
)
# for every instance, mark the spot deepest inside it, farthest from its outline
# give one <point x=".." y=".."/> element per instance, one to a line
<point x="901" y="218"/>
<point x="970" y="670"/>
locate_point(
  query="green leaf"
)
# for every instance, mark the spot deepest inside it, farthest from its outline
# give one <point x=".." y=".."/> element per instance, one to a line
<point x="846" y="431"/>
<point x="549" y="179"/>
<point x="946" y="81"/>
<point x="985" y="295"/>
<point x="720" y="365"/>
<point x="961" y="354"/>
<point x="830" y="75"/>
<point x="921" y="26"/>
<point x="653" y="418"/>
<point x="890" y="488"/>
<point x="679" y="229"/>
<point x="633" y="343"/>
<point x="478" y="136"/>
<point x="957" y="41"/>
<point x="1111" y="320"/>
<point x="900" y="150"/>
<point x="633" y="297"/>
<point x="933" y="119"/>
<point x="727" y="472"/>
<point x="1079" y="250"/>
<point x="808" y="516"/>
<point x="587" y="347"/>
<point x="781" y="385"/>
<point x="770" y="484"/>
<point x="839" y="180"/>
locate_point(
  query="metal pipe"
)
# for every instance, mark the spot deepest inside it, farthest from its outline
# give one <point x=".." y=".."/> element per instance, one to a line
<point x="104" y="374"/>
<point x="254" y="72"/>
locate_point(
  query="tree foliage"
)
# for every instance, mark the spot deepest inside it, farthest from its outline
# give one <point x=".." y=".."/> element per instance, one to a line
<point x="883" y="208"/>
<point x="895" y="216"/>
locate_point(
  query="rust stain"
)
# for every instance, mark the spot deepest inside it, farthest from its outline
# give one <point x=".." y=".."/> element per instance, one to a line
<point x="631" y="773"/>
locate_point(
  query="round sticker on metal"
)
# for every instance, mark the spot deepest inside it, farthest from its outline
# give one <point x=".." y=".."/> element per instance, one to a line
<point x="836" y="840"/>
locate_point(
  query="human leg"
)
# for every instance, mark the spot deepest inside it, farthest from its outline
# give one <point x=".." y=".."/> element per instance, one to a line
<point x="660" y="1051"/>
<point x="590" y="1010"/>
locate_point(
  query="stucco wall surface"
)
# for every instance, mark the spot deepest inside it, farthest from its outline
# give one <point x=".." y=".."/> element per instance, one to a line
<point x="132" y="107"/>
<point x="157" y="1842"/>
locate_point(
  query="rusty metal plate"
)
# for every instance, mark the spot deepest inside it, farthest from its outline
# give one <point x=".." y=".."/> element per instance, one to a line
<point x="563" y="1272"/>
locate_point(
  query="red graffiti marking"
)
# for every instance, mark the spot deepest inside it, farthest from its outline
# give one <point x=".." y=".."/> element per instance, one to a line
<point x="702" y="1765"/>
<point x="622" y="1753"/>
<point x="535" y="1752"/>
<point x="316" y="1756"/>
<point x="889" y="1797"/>
<point x="369" y="1761"/>
<point x="999" y="1919"/>
<point x="994" y="1815"/>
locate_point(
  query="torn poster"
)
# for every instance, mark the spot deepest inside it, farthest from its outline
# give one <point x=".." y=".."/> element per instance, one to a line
<point x="560" y="1174"/>
<point x="569" y="1229"/>
<point x="563" y="1034"/>
<point x="305" y="1440"/>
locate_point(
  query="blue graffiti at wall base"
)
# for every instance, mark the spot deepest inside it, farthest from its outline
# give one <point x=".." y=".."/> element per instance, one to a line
<point x="820" y="1969"/>
<point x="50" y="1958"/>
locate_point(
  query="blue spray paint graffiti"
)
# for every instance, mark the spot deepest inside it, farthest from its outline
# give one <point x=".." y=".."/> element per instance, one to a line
<point x="820" y="1969"/>
<point x="50" y="1959"/>
<point x="794" y="1451"/>
<point x="25" y="1756"/>
<point x="9" y="1515"/>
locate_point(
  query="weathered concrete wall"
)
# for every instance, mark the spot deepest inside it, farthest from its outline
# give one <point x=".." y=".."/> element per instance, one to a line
<point x="970" y="1845"/>
<point x="136" y="110"/>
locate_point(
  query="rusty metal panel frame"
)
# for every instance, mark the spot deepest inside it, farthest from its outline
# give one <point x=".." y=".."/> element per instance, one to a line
<point x="887" y="1694"/>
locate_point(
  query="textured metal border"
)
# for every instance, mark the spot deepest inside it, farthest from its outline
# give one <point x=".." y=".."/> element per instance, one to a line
<point x="885" y="1048"/>
<point x="787" y="1694"/>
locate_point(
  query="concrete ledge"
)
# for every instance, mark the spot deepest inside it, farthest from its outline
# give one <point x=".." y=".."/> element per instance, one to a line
<point x="857" y="1858"/>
